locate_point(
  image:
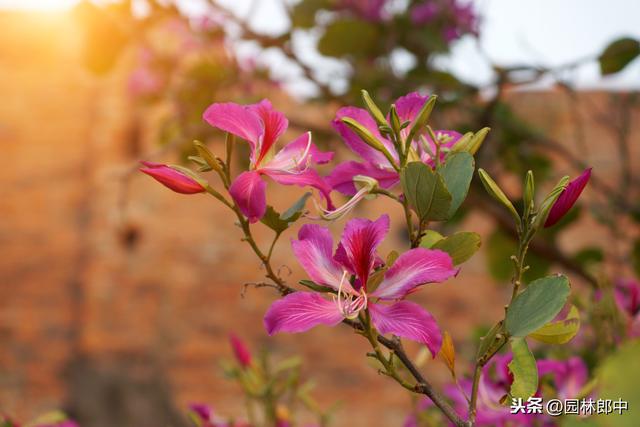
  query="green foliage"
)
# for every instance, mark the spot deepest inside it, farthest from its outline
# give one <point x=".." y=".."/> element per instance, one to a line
<point x="560" y="331"/>
<point x="538" y="304"/>
<point x="460" y="246"/>
<point x="426" y="192"/>
<point x="524" y="370"/>
<point x="500" y="247"/>
<point x="280" y="222"/>
<point x="618" y="54"/>
<point x="457" y="173"/>
<point x="349" y="37"/>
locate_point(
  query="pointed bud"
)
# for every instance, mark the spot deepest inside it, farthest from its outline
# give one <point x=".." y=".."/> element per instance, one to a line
<point x="421" y="118"/>
<point x="395" y="120"/>
<point x="208" y="156"/>
<point x="373" y="109"/>
<point x="176" y="178"/>
<point x="550" y="200"/>
<point x="240" y="351"/>
<point x="367" y="137"/>
<point x="497" y="193"/>
<point x="529" y="192"/>
<point x="567" y="198"/>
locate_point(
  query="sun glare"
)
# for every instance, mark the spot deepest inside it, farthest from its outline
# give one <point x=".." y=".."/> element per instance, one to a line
<point x="44" y="5"/>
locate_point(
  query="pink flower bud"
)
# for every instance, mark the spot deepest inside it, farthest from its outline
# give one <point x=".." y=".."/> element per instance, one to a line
<point x="172" y="178"/>
<point x="240" y="351"/>
<point x="568" y="198"/>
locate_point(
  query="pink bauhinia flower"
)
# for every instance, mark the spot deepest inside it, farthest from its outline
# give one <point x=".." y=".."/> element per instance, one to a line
<point x="260" y="125"/>
<point x="375" y="164"/>
<point x="347" y="274"/>
<point x="568" y="198"/>
<point x="173" y="177"/>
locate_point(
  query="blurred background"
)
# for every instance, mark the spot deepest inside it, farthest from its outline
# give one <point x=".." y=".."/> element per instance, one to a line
<point x="117" y="296"/>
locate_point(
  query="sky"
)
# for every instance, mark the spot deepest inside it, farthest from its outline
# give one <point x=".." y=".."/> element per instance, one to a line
<point x="532" y="32"/>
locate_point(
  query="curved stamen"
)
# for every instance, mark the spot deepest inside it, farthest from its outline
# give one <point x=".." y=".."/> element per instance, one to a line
<point x="349" y="306"/>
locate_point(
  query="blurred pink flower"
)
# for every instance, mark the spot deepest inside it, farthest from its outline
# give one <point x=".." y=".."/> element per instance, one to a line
<point x="356" y="255"/>
<point x="240" y="351"/>
<point x="370" y="10"/>
<point x="172" y="178"/>
<point x="627" y="296"/>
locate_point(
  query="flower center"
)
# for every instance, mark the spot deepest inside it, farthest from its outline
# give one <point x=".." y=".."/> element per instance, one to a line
<point x="349" y="304"/>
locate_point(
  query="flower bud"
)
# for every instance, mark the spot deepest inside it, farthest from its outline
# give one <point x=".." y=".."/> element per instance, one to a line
<point x="568" y="198"/>
<point x="240" y="351"/>
<point x="174" y="177"/>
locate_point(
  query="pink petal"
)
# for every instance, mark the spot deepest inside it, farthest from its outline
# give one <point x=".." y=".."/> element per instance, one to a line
<point x="275" y="123"/>
<point x="408" y="320"/>
<point x="412" y="269"/>
<point x="568" y="198"/>
<point x="307" y="178"/>
<point x="238" y="120"/>
<point x="355" y="143"/>
<point x="249" y="192"/>
<point x="357" y="248"/>
<point x="298" y="155"/>
<point x="313" y="249"/>
<point x="299" y="312"/>
<point x="341" y="178"/>
<point x="172" y="178"/>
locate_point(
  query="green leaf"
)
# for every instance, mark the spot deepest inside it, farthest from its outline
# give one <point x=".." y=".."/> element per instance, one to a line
<point x="560" y="331"/>
<point x="296" y="210"/>
<point x="280" y="222"/>
<point x="426" y="192"/>
<point x="349" y="37"/>
<point x="524" y="370"/>
<point x="457" y="173"/>
<point x="430" y="238"/>
<point x="272" y="220"/>
<point x="618" y="55"/>
<point x="538" y="304"/>
<point x="460" y="246"/>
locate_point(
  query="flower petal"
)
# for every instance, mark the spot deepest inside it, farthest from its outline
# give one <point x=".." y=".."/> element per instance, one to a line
<point x="238" y="120"/>
<point x="341" y="178"/>
<point x="313" y="249"/>
<point x="248" y="191"/>
<point x="412" y="269"/>
<point x="357" y="248"/>
<point x="355" y="143"/>
<point x="568" y="198"/>
<point x="408" y="107"/>
<point x="298" y="155"/>
<point x="172" y="178"/>
<point x="305" y="178"/>
<point x="408" y="320"/>
<point x="299" y="312"/>
<point x="274" y="122"/>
